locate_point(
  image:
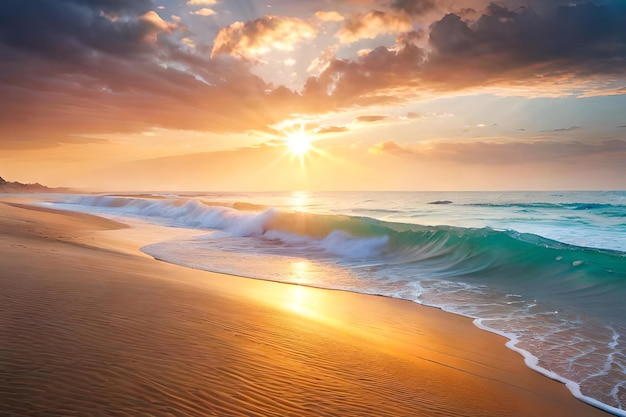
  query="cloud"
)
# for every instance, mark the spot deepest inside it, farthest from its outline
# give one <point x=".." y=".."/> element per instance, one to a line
<point x="331" y="129"/>
<point x="259" y="36"/>
<point x="564" y="129"/>
<point x="329" y="16"/>
<point x="507" y="164"/>
<point x="413" y="7"/>
<point x="133" y="98"/>
<point x="371" y="119"/>
<point x="380" y="77"/>
<point x="572" y="40"/>
<point x="74" y="67"/>
<point x="73" y="30"/>
<point x="415" y="115"/>
<point x="204" y="12"/>
<point x="371" y="25"/>
<point x="159" y="25"/>
<point x="414" y="37"/>
<point x="108" y="66"/>
<point x="503" y="153"/>
<point x="201" y="2"/>
<point x="390" y="147"/>
<point x="560" y="50"/>
<point x="321" y="63"/>
<point x="604" y="92"/>
<point x="188" y="42"/>
<point x="429" y="115"/>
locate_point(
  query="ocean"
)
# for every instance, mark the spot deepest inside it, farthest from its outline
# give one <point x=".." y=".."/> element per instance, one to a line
<point x="547" y="270"/>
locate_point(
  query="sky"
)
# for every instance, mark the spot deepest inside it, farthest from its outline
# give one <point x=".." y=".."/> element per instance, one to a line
<point x="242" y="95"/>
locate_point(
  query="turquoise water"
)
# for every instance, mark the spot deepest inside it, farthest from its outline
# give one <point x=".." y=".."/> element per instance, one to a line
<point x="547" y="270"/>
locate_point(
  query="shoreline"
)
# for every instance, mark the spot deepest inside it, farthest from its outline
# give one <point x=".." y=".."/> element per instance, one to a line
<point x="282" y="348"/>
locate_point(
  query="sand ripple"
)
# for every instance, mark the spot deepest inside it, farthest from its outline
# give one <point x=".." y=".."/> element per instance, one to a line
<point x="90" y="347"/>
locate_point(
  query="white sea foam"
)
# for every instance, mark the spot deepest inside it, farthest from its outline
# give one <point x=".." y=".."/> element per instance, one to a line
<point x="179" y="212"/>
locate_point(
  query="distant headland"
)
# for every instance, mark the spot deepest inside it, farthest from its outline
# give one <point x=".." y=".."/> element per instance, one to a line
<point x="18" y="187"/>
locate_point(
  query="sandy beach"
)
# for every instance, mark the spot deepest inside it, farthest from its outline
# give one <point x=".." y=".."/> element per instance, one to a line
<point x="90" y="326"/>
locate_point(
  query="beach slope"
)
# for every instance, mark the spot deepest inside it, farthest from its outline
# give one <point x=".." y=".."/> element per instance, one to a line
<point x="89" y="326"/>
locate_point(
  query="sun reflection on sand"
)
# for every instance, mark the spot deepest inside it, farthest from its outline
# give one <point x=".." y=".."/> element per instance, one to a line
<point x="298" y="298"/>
<point x="300" y="301"/>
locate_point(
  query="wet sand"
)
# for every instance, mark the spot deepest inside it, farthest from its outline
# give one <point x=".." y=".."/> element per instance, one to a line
<point x="90" y="326"/>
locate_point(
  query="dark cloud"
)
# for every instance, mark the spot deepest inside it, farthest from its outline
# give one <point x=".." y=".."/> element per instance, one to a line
<point x="573" y="42"/>
<point x="72" y="30"/>
<point x="349" y="83"/>
<point x="116" y="6"/>
<point x="69" y="66"/>
<point x="574" y="39"/>
<point x="72" y="67"/>
<point x="564" y="129"/>
<point x="413" y="37"/>
<point x="413" y="7"/>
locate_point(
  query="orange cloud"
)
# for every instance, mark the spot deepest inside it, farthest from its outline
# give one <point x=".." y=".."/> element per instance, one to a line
<point x="321" y="63"/>
<point x="371" y="118"/>
<point x="330" y="16"/>
<point x="259" y="36"/>
<point x="389" y="147"/>
<point x="201" y="2"/>
<point x="503" y="152"/>
<point x="373" y="24"/>
<point x="158" y="25"/>
<point x="205" y="11"/>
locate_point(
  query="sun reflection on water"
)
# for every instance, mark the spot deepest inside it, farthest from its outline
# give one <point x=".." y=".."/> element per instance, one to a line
<point x="300" y="271"/>
<point x="299" y="200"/>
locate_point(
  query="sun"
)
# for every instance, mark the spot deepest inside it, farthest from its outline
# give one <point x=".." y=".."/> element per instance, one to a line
<point x="298" y="143"/>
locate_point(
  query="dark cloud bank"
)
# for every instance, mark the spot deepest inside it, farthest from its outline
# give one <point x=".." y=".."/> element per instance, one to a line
<point x="71" y="67"/>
